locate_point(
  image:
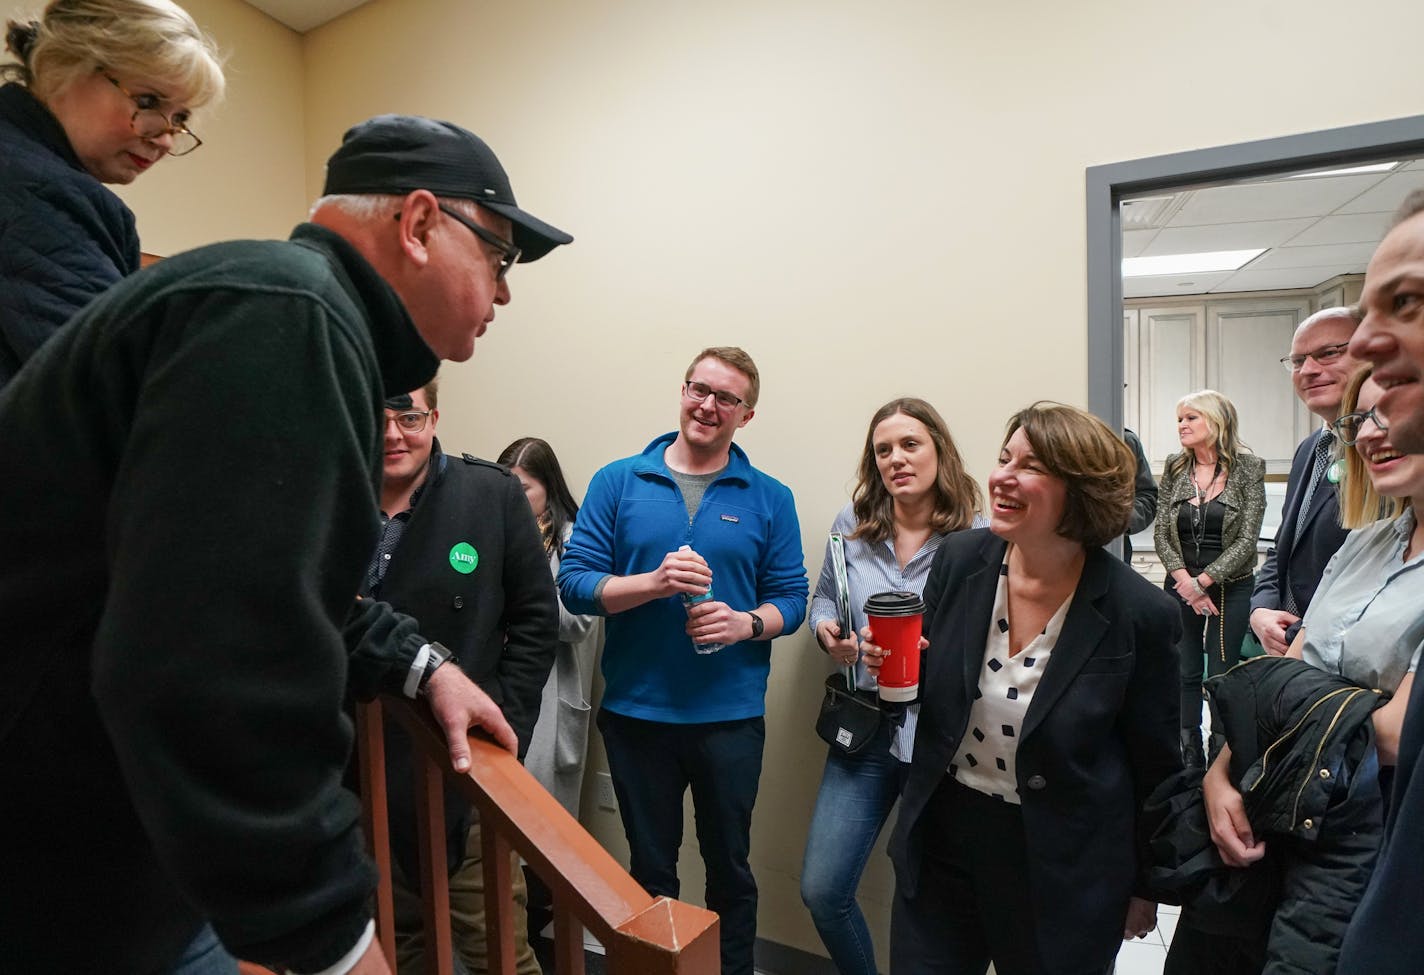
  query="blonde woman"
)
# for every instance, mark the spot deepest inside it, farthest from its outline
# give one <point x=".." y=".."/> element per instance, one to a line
<point x="1209" y="509"/>
<point x="99" y="91"/>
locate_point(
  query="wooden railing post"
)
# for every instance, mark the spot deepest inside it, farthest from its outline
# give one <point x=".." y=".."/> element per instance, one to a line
<point x="375" y="818"/>
<point x="496" y="854"/>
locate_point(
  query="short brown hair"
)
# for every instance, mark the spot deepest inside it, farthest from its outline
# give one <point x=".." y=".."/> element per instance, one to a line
<point x="1094" y="464"/>
<point x="739" y="361"/>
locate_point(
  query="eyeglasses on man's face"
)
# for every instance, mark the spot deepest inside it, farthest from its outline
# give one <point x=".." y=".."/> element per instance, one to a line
<point x="1323" y="355"/>
<point x="698" y="393"/>
<point x="410" y="421"/>
<point x="1350" y="426"/>
<point x="508" y="253"/>
<point x="149" y="123"/>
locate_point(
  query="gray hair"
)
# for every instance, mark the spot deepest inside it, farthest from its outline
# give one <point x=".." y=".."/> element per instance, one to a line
<point x="381" y="206"/>
<point x="1350" y="315"/>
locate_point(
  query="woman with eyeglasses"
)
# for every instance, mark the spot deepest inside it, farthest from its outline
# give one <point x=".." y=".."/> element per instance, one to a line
<point x="911" y="493"/>
<point x="100" y="91"/>
<point x="1364" y="625"/>
<point x="1210" y="504"/>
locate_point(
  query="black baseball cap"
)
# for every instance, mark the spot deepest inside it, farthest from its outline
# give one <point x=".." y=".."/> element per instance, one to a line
<point x="398" y="154"/>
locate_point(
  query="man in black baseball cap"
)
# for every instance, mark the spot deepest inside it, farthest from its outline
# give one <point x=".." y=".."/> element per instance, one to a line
<point x="398" y="154"/>
<point x="183" y="553"/>
<point x="441" y="184"/>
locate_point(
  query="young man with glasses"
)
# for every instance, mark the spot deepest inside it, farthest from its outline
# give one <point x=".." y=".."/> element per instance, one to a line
<point x="178" y="595"/>
<point x="695" y="558"/>
<point x="1384" y="937"/>
<point x="459" y="550"/>
<point x="1309" y="531"/>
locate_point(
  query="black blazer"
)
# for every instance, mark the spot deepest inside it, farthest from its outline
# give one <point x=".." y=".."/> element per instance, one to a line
<point x="1099" y="735"/>
<point x="1303" y="563"/>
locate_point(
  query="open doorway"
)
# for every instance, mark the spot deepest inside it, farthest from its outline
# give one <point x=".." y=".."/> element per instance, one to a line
<point x="1304" y="228"/>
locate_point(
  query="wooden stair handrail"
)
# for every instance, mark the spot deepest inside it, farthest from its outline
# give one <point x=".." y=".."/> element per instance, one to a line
<point x="642" y="934"/>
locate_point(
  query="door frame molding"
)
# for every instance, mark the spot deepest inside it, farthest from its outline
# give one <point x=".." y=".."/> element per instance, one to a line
<point x="1108" y="185"/>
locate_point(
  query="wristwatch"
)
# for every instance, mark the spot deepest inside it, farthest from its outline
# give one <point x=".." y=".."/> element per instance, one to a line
<point x="757" y="625"/>
<point x="438" y="655"/>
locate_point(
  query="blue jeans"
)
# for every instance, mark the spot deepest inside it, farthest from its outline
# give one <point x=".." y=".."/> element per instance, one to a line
<point x="653" y="764"/>
<point x="856" y="796"/>
<point x="205" y="955"/>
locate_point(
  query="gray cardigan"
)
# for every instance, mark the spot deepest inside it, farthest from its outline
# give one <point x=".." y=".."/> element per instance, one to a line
<point x="1245" y="499"/>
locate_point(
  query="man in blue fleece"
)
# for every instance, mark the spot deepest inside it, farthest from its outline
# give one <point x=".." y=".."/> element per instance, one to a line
<point x="690" y="517"/>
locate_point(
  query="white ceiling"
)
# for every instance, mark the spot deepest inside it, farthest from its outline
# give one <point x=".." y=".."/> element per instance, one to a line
<point x="303" y="15"/>
<point x="1313" y="228"/>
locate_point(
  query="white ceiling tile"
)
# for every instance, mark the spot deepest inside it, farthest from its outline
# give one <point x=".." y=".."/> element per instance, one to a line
<point x="1356" y="256"/>
<point x="1224" y="237"/>
<point x="1134" y="242"/>
<point x="1160" y="285"/>
<point x="1275" y="200"/>
<point x="1347" y="228"/>
<point x="1388" y="195"/>
<point x="1249" y="279"/>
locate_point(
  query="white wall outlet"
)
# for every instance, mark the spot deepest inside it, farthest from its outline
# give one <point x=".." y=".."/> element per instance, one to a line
<point x="606" y="798"/>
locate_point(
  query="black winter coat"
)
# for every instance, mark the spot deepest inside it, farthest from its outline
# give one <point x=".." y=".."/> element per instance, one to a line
<point x="496" y="612"/>
<point x="64" y="237"/>
<point x="1302" y="755"/>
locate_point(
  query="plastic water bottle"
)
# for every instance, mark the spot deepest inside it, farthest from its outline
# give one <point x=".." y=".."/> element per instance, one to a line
<point x="692" y="599"/>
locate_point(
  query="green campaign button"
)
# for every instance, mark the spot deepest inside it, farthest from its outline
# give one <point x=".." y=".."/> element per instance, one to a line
<point x="464" y="558"/>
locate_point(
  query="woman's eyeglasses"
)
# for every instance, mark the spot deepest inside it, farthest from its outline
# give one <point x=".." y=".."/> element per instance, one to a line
<point x="1349" y="427"/>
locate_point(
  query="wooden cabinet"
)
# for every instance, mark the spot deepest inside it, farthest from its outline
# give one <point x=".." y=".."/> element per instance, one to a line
<point x="1230" y="343"/>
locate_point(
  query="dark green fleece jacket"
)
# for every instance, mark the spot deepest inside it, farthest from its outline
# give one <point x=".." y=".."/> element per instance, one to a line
<point x="189" y="501"/>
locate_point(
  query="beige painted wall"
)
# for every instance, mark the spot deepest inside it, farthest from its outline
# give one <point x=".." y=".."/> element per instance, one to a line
<point x="874" y="200"/>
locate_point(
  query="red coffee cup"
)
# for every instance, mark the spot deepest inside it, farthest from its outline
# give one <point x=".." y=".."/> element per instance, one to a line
<point x="895" y="620"/>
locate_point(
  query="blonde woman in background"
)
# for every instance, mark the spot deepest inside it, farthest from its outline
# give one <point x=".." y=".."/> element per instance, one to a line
<point x="1210" y="504"/>
<point x="100" y="91"/>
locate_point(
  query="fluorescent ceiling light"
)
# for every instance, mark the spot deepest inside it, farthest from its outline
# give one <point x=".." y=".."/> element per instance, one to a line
<point x="1137" y="267"/>
<point x="1347" y="171"/>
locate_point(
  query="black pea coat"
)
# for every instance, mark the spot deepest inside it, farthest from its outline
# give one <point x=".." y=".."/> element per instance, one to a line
<point x="1099" y="734"/>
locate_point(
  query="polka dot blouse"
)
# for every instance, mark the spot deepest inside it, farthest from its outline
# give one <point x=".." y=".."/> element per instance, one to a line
<point x="985" y="760"/>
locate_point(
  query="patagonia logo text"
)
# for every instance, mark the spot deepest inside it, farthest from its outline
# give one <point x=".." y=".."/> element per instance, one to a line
<point x="732" y="518"/>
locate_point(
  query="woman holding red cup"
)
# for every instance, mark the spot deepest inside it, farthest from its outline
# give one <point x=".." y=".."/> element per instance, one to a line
<point x="1048" y="713"/>
<point x="911" y="493"/>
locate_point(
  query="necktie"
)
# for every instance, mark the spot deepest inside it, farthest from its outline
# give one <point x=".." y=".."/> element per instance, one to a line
<point x="1317" y="474"/>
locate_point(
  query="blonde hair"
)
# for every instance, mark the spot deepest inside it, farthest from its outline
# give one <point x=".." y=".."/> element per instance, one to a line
<point x="1360" y="503"/>
<point x="1221" y="420"/>
<point x="154" y="39"/>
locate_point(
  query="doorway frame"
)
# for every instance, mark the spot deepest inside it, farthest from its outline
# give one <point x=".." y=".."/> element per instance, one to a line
<point x="1108" y="185"/>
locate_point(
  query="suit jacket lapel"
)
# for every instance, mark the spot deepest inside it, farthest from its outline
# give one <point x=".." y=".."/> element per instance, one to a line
<point x="1082" y="631"/>
<point x="980" y="586"/>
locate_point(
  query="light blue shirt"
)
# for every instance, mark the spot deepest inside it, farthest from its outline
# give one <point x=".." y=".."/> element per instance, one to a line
<point x="1366" y="622"/>
<point x="873" y="568"/>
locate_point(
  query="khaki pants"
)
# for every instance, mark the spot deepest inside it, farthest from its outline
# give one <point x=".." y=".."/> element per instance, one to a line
<point x="467" y="917"/>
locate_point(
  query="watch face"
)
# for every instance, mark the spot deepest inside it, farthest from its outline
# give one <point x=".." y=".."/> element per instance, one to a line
<point x="757" y="625"/>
